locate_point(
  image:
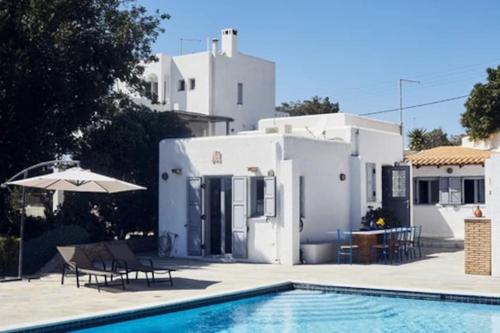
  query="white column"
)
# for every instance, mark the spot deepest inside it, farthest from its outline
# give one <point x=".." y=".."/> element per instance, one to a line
<point x="57" y="199"/>
<point x="492" y="184"/>
<point x="288" y="190"/>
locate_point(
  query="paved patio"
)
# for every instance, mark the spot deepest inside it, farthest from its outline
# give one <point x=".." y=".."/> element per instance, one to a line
<point x="45" y="299"/>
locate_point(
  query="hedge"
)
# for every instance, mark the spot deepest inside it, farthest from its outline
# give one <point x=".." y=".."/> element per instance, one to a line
<point x="38" y="251"/>
<point x="9" y="247"/>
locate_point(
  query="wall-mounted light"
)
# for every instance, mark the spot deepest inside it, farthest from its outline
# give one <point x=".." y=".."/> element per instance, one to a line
<point x="270" y="173"/>
<point x="252" y="169"/>
<point x="164" y="176"/>
<point x="342" y="177"/>
<point x="449" y="170"/>
<point x="177" y="171"/>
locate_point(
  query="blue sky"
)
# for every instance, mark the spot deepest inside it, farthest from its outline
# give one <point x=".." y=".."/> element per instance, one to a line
<point x="355" y="52"/>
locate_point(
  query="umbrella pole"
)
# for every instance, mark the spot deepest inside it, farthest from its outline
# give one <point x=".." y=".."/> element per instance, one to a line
<point x="21" y="232"/>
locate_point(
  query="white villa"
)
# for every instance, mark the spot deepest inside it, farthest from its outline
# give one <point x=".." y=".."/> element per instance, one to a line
<point x="259" y="195"/>
<point x="449" y="183"/>
<point x="220" y="91"/>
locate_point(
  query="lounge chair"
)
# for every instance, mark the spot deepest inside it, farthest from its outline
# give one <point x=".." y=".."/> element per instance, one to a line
<point x="126" y="260"/>
<point x="76" y="260"/>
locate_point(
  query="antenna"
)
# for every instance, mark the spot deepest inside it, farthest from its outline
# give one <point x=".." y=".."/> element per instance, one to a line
<point x="182" y="40"/>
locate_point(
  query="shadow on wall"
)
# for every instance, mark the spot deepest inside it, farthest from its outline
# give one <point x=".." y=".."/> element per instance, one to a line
<point x="441" y="221"/>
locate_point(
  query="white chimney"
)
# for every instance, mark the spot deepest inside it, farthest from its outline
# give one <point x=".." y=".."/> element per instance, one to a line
<point x="215" y="46"/>
<point x="229" y="42"/>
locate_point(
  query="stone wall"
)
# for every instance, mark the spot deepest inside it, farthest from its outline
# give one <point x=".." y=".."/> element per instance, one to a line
<point x="477" y="246"/>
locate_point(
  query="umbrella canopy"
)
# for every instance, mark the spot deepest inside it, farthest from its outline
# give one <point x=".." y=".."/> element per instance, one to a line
<point x="78" y="180"/>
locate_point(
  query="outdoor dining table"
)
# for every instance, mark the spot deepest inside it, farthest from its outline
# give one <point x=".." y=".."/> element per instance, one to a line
<point x="365" y="241"/>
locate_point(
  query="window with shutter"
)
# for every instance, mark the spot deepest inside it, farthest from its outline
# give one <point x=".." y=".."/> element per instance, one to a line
<point x="455" y="190"/>
<point x="371" y="186"/>
<point x="444" y="190"/>
<point x="270" y="196"/>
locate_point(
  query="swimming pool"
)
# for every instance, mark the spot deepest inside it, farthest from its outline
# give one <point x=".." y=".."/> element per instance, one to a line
<point x="319" y="311"/>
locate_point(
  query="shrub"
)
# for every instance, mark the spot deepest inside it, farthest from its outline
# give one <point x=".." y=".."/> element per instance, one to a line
<point x="391" y="221"/>
<point x="40" y="250"/>
<point x="9" y="247"/>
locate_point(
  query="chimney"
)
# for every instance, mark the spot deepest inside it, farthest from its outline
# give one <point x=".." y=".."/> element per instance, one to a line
<point x="229" y="42"/>
<point x="215" y="46"/>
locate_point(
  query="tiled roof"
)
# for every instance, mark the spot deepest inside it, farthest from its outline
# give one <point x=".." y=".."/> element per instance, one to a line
<point x="449" y="155"/>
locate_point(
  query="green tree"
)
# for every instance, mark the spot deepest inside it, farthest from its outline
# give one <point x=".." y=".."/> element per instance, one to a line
<point x="58" y="62"/>
<point x="316" y="105"/>
<point x="125" y="146"/>
<point x="482" y="115"/>
<point x="417" y="139"/>
<point x="420" y="139"/>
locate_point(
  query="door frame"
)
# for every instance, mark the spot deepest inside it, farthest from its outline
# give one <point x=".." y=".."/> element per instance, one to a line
<point x="206" y="223"/>
<point x="387" y="198"/>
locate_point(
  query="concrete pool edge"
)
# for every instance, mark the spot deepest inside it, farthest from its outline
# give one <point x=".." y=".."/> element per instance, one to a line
<point x="131" y="313"/>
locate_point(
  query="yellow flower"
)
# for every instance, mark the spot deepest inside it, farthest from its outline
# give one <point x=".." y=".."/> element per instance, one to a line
<point x="380" y="222"/>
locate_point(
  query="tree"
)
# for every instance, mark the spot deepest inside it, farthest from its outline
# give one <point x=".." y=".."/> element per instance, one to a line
<point x="125" y="146"/>
<point x="316" y="105"/>
<point x="482" y="115"/>
<point x="417" y="137"/>
<point x="420" y="139"/>
<point x="58" y="62"/>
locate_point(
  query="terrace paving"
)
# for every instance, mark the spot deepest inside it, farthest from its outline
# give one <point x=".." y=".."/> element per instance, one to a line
<point x="46" y="299"/>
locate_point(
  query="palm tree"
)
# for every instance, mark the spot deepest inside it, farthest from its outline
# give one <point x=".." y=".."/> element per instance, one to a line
<point x="418" y="139"/>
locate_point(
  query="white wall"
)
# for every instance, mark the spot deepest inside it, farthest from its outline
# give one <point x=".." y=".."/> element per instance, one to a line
<point x="445" y="220"/>
<point x="327" y="200"/>
<point x="191" y="66"/>
<point x="320" y="161"/>
<point x="318" y="123"/>
<point x="492" y="182"/>
<point x="491" y="143"/>
<point x="194" y="156"/>
<point x="258" y="78"/>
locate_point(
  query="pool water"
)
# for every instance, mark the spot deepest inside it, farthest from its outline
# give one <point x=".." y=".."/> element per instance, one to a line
<point x="316" y="311"/>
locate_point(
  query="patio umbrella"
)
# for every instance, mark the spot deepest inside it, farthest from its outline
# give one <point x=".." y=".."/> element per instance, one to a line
<point x="77" y="180"/>
<point x="74" y="179"/>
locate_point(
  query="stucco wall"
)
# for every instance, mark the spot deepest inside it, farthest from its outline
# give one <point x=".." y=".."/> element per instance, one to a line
<point x="258" y="78"/>
<point x="445" y="220"/>
<point x="327" y="200"/>
<point x="185" y="67"/>
<point x="493" y="202"/>
<point x="194" y="156"/>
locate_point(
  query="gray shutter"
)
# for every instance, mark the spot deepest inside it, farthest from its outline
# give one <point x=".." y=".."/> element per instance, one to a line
<point x="270" y="196"/>
<point x="370" y="170"/>
<point x="444" y="190"/>
<point x="239" y="215"/>
<point x="194" y="212"/>
<point x="455" y="190"/>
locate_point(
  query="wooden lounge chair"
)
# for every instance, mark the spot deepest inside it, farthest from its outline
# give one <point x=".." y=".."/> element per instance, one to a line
<point x="126" y="260"/>
<point x="76" y="260"/>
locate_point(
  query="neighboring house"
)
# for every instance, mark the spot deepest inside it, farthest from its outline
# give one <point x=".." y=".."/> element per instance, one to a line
<point x="219" y="91"/>
<point x="296" y="180"/>
<point x="448" y="184"/>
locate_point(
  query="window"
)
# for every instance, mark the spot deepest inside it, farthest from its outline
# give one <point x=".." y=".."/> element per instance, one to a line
<point x="427" y="191"/>
<point x="181" y="85"/>
<point x="398" y="183"/>
<point x="151" y="87"/>
<point x="192" y="84"/>
<point x="473" y="190"/>
<point x="302" y="193"/>
<point x="240" y="94"/>
<point x="449" y="190"/>
<point x="257" y="196"/>
<point x="371" y="184"/>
